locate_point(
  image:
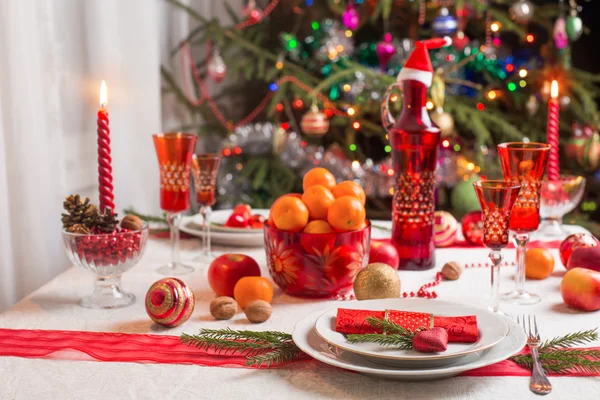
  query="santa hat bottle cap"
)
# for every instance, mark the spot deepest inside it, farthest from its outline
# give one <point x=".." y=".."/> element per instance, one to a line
<point x="418" y="66"/>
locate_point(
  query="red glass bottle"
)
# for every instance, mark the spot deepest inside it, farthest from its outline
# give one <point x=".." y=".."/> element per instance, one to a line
<point x="414" y="139"/>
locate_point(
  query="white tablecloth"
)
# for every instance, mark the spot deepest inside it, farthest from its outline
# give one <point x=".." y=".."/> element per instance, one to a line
<point x="54" y="306"/>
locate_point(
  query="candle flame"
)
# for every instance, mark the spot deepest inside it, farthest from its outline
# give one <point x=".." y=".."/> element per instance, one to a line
<point x="103" y="94"/>
<point x="554" y="89"/>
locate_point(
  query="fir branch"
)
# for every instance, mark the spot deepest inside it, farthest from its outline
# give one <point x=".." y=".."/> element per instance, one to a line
<point x="288" y="352"/>
<point x="399" y="341"/>
<point x="147" y="217"/>
<point x="389" y="327"/>
<point x="570" y="340"/>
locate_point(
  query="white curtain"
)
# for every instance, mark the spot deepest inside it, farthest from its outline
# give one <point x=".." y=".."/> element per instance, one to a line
<point x="54" y="55"/>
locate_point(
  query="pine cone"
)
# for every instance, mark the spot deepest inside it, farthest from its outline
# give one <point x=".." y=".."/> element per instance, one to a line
<point x="79" y="229"/>
<point x="106" y="222"/>
<point x="79" y="213"/>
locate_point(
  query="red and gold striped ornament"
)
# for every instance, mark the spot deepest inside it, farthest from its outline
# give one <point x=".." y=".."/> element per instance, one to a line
<point x="314" y="122"/>
<point x="170" y="302"/>
<point x="444" y="229"/>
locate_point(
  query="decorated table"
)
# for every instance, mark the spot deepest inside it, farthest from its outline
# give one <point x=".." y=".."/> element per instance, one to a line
<point x="71" y="374"/>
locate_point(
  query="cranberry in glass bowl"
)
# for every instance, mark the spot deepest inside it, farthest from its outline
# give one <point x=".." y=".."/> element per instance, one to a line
<point x="321" y="265"/>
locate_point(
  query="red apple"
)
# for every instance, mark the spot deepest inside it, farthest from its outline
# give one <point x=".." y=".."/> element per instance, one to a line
<point x="237" y="221"/>
<point x="383" y="251"/>
<point x="585" y="257"/>
<point x="580" y="289"/>
<point x="257" y="221"/>
<point x="244" y="210"/>
<point x="227" y="269"/>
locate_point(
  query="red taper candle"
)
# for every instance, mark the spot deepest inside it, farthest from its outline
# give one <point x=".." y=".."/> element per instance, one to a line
<point x="105" y="178"/>
<point x="552" y="135"/>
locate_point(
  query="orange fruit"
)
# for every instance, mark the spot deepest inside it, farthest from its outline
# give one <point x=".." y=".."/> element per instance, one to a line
<point x="270" y="219"/>
<point x="317" y="199"/>
<point x="539" y="263"/>
<point x="289" y="214"/>
<point x="251" y="288"/>
<point x="349" y="188"/>
<point x="318" y="176"/>
<point x="346" y="214"/>
<point x="318" y="226"/>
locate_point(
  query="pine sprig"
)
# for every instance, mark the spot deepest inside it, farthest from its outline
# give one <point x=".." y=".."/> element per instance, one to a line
<point x="260" y="348"/>
<point x="399" y="341"/>
<point x="557" y="356"/>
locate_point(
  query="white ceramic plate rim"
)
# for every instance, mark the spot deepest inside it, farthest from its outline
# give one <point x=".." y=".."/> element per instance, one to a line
<point x="514" y="343"/>
<point x="225" y="238"/>
<point x="487" y="340"/>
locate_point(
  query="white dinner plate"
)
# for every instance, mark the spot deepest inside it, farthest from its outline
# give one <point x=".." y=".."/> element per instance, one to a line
<point x="492" y="330"/>
<point x="218" y="219"/>
<point x="307" y="339"/>
<point x="234" y="239"/>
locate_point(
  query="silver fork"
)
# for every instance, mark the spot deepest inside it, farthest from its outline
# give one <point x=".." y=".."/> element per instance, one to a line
<point x="539" y="384"/>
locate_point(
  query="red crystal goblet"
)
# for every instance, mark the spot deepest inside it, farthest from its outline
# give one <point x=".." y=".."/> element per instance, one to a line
<point x="174" y="151"/>
<point x="497" y="199"/>
<point x="524" y="164"/>
<point x="204" y="170"/>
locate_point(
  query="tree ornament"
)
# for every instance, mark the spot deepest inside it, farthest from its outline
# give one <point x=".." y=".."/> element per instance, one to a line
<point x="564" y="101"/>
<point x="574" y="26"/>
<point x="251" y="12"/>
<point x="377" y="281"/>
<point x="170" y="302"/>
<point x="521" y="11"/>
<point x="444" y="24"/>
<point x="314" y="122"/>
<point x="532" y="105"/>
<point x="385" y="50"/>
<point x="216" y="67"/>
<point x="444" y="121"/>
<point x="432" y="340"/>
<point x="573" y="242"/>
<point x="350" y="17"/>
<point x="560" y="34"/>
<point x="460" y="41"/>
<point x="444" y="229"/>
<point x="472" y="227"/>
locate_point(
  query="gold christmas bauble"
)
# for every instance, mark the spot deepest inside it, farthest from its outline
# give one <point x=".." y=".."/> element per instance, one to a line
<point x="444" y="121"/>
<point x="377" y="281"/>
<point x="314" y="122"/>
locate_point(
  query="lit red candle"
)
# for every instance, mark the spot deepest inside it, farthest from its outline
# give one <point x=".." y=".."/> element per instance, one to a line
<point x="105" y="178"/>
<point x="553" y="168"/>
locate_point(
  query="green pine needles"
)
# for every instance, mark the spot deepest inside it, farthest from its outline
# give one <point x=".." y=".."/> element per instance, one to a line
<point x="260" y="348"/>
<point x="394" y="335"/>
<point x="558" y="356"/>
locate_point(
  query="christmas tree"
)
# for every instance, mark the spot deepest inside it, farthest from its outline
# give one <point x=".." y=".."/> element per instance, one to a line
<point x="300" y="83"/>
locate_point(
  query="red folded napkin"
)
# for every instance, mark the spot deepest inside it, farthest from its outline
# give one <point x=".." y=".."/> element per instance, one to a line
<point x="460" y="329"/>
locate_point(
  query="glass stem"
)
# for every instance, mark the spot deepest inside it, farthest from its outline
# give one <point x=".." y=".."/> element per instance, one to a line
<point x="174" y="219"/>
<point x="108" y="286"/>
<point x="496" y="258"/>
<point x="521" y="240"/>
<point x="205" y="211"/>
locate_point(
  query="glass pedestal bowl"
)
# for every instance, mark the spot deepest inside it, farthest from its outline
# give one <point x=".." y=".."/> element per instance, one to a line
<point x="321" y="265"/>
<point x="557" y="199"/>
<point x="107" y="256"/>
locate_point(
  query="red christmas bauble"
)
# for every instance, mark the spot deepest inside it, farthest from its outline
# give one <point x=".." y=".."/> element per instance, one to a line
<point x="472" y="227"/>
<point x="170" y="302"/>
<point x="444" y="229"/>
<point x="573" y="242"/>
<point x="314" y="123"/>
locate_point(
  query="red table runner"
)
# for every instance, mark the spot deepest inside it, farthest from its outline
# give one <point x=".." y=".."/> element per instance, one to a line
<point x="161" y="349"/>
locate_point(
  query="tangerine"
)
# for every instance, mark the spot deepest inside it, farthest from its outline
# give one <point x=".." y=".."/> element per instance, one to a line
<point x="349" y="188"/>
<point x="317" y="199"/>
<point x="270" y="220"/>
<point x="251" y="288"/>
<point x="318" y="226"/>
<point x="346" y="214"/>
<point x="539" y="263"/>
<point x="318" y="176"/>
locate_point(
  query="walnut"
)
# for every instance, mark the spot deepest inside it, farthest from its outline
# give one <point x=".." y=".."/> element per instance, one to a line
<point x="451" y="271"/>
<point x="258" y="311"/>
<point x="132" y="222"/>
<point x="223" y="307"/>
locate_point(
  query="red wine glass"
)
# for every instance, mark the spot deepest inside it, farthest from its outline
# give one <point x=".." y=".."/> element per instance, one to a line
<point x="497" y="199"/>
<point x="524" y="164"/>
<point x="174" y="151"/>
<point x="204" y="170"/>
